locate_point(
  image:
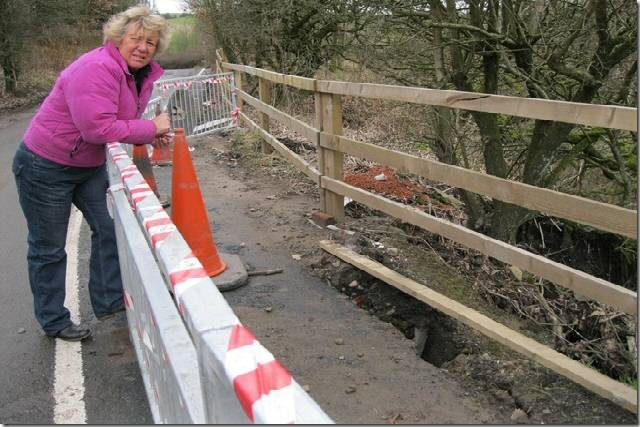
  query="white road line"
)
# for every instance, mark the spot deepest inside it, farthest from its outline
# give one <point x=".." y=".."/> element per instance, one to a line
<point x="68" y="385"/>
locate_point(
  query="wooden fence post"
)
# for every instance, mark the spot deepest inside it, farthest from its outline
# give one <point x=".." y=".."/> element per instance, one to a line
<point x="218" y="62"/>
<point x="238" y="78"/>
<point x="264" y="90"/>
<point x="319" y="149"/>
<point x="329" y="114"/>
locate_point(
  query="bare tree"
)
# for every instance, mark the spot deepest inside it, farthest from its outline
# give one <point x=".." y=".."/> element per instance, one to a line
<point x="581" y="50"/>
<point x="26" y="23"/>
<point x="290" y="36"/>
<point x="572" y="51"/>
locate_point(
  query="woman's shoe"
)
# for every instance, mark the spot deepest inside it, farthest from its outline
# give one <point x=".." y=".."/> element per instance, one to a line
<point x="108" y="316"/>
<point x="72" y="333"/>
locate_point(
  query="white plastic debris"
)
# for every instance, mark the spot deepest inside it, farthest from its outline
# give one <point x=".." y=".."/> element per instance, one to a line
<point x="334" y="228"/>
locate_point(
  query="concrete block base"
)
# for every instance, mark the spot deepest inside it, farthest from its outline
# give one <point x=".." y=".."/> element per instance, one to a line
<point x="234" y="276"/>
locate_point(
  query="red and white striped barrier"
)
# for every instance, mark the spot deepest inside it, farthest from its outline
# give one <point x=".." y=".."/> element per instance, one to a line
<point x="263" y="387"/>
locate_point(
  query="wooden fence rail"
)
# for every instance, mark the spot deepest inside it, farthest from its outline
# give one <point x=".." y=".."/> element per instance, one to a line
<point x="600" y="290"/>
<point x="579" y="209"/>
<point x="326" y="134"/>
<point x="603" y="216"/>
<point x="607" y="116"/>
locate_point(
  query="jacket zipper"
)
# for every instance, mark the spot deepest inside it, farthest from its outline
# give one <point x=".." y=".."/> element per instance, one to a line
<point x="76" y="147"/>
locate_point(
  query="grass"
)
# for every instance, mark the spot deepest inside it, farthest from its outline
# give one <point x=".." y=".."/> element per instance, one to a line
<point x="42" y="62"/>
<point x="185" y="38"/>
<point x="630" y="381"/>
<point x="188" y="20"/>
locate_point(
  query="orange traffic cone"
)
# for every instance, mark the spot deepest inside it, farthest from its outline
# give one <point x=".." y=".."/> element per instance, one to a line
<point x="189" y="212"/>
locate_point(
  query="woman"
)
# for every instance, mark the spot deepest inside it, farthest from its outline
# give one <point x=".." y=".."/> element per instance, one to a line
<point x="97" y="99"/>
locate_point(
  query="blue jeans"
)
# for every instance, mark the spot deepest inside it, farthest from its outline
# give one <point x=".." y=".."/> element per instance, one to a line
<point x="46" y="191"/>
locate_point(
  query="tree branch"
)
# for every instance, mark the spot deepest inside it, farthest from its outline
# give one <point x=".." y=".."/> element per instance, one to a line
<point x="501" y="38"/>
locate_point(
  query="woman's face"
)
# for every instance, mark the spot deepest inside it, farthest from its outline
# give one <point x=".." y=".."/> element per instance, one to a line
<point x="138" y="47"/>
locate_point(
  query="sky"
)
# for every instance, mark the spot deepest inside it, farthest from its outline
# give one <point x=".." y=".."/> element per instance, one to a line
<point x="170" y="6"/>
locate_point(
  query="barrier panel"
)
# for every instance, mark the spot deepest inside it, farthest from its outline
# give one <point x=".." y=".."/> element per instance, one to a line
<point x="200" y="104"/>
<point x="166" y="355"/>
<point x="239" y="380"/>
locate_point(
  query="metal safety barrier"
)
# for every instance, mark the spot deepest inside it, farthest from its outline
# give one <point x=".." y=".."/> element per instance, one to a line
<point x="199" y="104"/>
<point x="199" y="363"/>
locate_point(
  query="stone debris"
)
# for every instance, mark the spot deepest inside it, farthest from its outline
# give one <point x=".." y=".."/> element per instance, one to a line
<point x="350" y="389"/>
<point x="396" y="418"/>
<point x="323" y="219"/>
<point x="519" y="416"/>
<point x="517" y="273"/>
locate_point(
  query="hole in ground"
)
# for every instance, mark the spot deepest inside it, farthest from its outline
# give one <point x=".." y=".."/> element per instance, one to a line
<point x="435" y="334"/>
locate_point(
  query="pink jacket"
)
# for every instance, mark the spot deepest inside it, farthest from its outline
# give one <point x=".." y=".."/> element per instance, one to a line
<point x="93" y="102"/>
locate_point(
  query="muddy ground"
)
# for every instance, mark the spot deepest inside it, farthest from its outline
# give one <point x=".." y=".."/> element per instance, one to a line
<point x="365" y="351"/>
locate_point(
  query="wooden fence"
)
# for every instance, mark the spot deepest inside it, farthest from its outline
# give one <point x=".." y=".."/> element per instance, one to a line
<point x="326" y="134"/>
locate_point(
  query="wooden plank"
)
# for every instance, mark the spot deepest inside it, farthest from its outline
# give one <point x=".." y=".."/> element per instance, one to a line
<point x="587" y="285"/>
<point x="299" y="126"/>
<point x="598" y="383"/>
<point x="265" y="96"/>
<point x="292" y="157"/>
<point x="294" y="81"/>
<point x="332" y="161"/>
<point x="579" y="209"/>
<point x="608" y="116"/>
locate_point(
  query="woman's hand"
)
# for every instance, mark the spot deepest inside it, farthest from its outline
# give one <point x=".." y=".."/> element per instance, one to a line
<point x="162" y="141"/>
<point x="163" y="123"/>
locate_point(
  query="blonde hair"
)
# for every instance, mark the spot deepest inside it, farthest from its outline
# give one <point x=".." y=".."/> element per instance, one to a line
<point x="118" y="25"/>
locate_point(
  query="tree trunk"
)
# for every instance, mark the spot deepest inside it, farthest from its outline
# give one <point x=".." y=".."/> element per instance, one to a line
<point x="11" y="72"/>
<point x="506" y="219"/>
<point x="445" y="124"/>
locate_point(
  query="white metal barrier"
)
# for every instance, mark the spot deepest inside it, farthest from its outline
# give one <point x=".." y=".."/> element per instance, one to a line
<point x="206" y="366"/>
<point x="165" y="352"/>
<point x="200" y="104"/>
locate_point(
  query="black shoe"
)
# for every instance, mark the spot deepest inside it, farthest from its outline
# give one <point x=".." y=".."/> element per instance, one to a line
<point x="72" y="333"/>
<point x="108" y="316"/>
